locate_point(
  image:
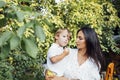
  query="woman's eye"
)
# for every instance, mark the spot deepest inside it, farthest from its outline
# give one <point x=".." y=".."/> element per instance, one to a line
<point x="80" y="38"/>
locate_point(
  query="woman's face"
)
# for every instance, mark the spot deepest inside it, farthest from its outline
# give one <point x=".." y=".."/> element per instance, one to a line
<point x="80" y="40"/>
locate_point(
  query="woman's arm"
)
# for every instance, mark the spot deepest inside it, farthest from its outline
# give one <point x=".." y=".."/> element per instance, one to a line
<point x="63" y="78"/>
<point x="59" y="78"/>
<point x="55" y="78"/>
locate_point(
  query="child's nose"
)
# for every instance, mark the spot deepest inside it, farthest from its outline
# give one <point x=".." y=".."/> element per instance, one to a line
<point x="66" y="39"/>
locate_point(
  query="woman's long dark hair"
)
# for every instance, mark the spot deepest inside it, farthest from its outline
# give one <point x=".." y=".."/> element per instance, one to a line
<point x="93" y="46"/>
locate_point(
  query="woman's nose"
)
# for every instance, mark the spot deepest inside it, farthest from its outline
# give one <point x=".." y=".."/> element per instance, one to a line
<point x="76" y="40"/>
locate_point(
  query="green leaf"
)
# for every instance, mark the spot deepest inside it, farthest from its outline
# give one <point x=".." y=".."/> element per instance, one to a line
<point x="26" y="8"/>
<point x="21" y="31"/>
<point x="31" y="48"/>
<point x="29" y="25"/>
<point x="4" y="51"/>
<point x="20" y="15"/>
<point x="39" y="33"/>
<point x="24" y="0"/>
<point x="14" y="42"/>
<point x="5" y="37"/>
<point x="2" y="3"/>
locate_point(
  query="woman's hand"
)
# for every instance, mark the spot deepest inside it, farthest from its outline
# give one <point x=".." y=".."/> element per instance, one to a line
<point x="49" y="77"/>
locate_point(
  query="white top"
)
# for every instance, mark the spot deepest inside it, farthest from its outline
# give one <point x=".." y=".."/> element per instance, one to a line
<point x="86" y="71"/>
<point x="60" y="66"/>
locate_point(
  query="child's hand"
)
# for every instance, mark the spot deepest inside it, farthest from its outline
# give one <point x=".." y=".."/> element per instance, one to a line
<point x="66" y="51"/>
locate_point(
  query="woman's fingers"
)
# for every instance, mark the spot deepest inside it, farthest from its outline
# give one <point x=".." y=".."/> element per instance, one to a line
<point x="49" y="77"/>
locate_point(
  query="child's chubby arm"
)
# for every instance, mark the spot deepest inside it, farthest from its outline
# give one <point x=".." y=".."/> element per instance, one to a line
<point x="57" y="58"/>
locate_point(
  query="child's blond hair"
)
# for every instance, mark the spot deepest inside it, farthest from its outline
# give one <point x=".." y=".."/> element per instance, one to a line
<point x="60" y="30"/>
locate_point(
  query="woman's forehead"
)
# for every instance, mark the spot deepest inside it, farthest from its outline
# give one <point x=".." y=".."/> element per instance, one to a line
<point x="80" y="33"/>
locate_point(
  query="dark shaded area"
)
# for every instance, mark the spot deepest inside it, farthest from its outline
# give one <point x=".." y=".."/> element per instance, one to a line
<point x="116" y="4"/>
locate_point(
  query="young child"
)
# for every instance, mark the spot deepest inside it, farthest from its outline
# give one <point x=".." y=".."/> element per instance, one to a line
<point x="58" y="52"/>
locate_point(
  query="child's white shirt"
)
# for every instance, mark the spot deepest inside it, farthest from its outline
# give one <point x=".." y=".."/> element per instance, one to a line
<point x="60" y="66"/>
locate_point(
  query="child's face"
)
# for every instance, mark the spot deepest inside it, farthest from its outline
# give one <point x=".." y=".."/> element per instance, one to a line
<point x="62" y="39"/>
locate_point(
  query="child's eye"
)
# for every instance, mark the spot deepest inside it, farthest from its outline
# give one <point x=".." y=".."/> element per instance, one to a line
<point x="64" y="36"/>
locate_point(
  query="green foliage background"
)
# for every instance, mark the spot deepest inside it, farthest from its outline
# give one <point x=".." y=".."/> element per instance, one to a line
<point x="27" y="28"/>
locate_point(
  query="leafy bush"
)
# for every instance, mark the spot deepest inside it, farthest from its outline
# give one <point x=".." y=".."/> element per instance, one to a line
<point x="27" y="29"/>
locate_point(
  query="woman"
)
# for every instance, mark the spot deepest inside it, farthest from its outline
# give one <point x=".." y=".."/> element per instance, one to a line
<point x="86" y="60"/>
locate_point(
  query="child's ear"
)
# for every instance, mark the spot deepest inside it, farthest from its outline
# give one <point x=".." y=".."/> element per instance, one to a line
<point x="56" y="37"/>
